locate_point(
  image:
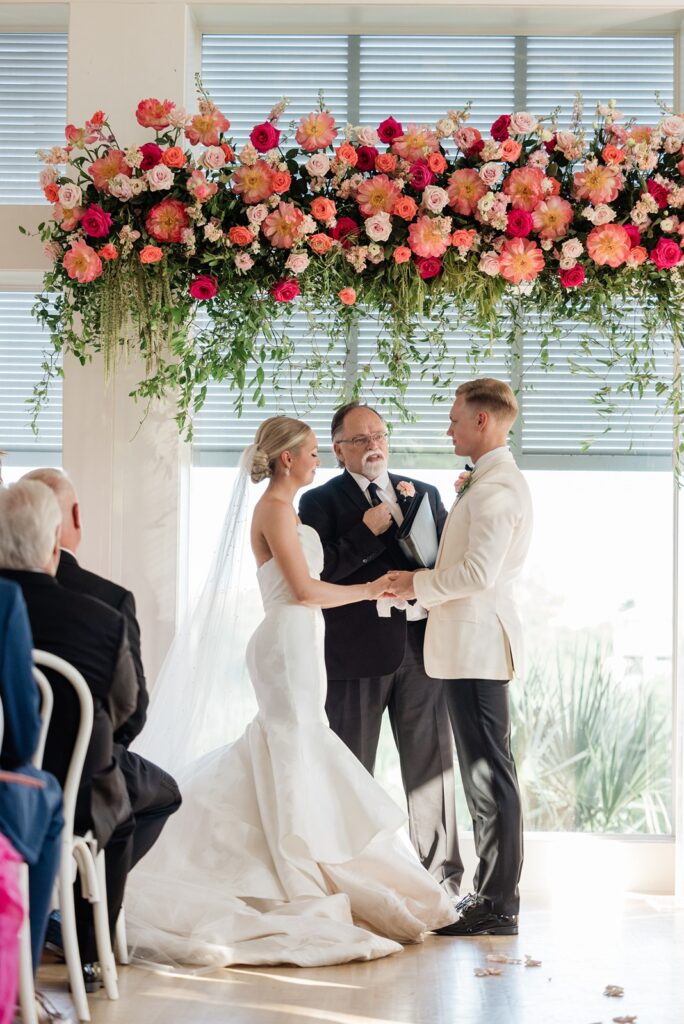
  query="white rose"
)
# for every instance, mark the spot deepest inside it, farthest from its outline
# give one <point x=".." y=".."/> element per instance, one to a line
<point x="673" y="126"/>
<point x="297" y="262"/>
<point x="367" y="136"/>
<point x="213" y="158"/>
<point x="489" y="263"/>
<point x="159" y="178"/>
<point x="603" y="214"/>
<point x="70" y="195"/>
<point x="138" y="186"/>
<point x="120" y="187"/>
<point x="567" y="263"/>
<point x="257" y="214"/>
<point x="434" y="198"/>
<point x="491" y="173"/>
<point x="318" y="165"/>
<point x="669" y="224"/>
<point x="546" y="244"/>
<point x="379" y="227"/>
<point x="178" y="117"/>
<point x="445" y="127"/>
<point x="572" y="249"/>
<point x="522" y="123"/>
<point x="48" y="176"/>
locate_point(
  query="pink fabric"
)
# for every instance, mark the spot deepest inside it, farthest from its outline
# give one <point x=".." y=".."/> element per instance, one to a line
<point x="11" y="915"/>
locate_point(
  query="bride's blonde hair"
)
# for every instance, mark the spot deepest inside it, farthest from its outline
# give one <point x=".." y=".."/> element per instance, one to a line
<point x="276" y="435"/>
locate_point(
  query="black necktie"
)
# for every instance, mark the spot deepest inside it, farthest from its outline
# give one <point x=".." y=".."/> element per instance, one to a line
<point x="468" y="468"/>
<point x="373" y="494"/>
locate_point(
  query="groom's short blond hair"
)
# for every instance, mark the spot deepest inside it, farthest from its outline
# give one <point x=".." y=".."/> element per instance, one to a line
<point x="494" y="396"/>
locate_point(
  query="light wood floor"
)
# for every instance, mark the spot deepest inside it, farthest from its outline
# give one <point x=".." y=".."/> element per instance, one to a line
<point x="637" y="943"/>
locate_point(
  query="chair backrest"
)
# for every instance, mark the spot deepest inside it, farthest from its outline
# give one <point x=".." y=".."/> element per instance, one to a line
<point x="85" y="699"/>
<point x="47" y="701"/>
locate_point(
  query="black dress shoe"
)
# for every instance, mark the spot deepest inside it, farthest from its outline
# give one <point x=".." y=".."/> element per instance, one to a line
<point x="92" y="977"/>
<point x="476" y="917"/>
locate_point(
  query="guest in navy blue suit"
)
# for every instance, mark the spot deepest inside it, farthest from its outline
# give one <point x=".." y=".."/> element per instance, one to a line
<point x="30" y="815"/>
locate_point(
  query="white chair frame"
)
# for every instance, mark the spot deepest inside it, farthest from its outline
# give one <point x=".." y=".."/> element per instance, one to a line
<point x="82" y="849"/>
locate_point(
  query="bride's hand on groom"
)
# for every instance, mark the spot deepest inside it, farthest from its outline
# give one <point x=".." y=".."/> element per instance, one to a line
<point x="380" y="587"/>
<point x="401" y="585"/>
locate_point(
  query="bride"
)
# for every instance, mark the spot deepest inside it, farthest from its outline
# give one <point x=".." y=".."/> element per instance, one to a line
<point x="285" y="849"/>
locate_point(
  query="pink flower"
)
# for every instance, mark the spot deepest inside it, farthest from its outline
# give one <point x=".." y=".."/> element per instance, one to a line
<point x="347" y="296"/>
<point x="430" y="236"/>
<point x="297" y="262"/>
<point x="82" y="263"/>
<point x="243" y="261"/>
<point x="366" y="158"/>
<point x="666" y="254"/>
<point x="203" y="287"/>
<point x="108" y="167"/>
<point x="69" y="196"/>
<point x="285" y="290"/>
<point x="318" y="165"/>
<point x="153" y="113"/>
<point x="491" y="173"/>
<point x="634" y="234"/>
<point x="264" y="137"/>
<point x="213" y="158"/>
<point x="608" y="245"/>
<point x="389" y="130"/>
<point x="659" y="193"/>
<point x="434" y="199"/>
<point x="428" y="266"/>
<point x="152" y="154"/>
<point x="166" y="221"/>
<point x="151" y="254"/>
<point x="198" y="186"/>
<point x="636" y="256"/>
<point x="600" y="184"/>
<point x="283" y="227"/>
<point x="465" y="188"/>
<point x="499" y="129"/>
<point x="420" y="175"/>
<point x="159" y="178"/>
<point x="67" y="219"/>
<point x="524" y="186"/>
<point x="206" y="126"/>
<point x="466" y="137"/>
<point x="520" y="260"/>
<point x="378" y="227"/>
<point x="573" y="277"/>
<point x="95" y="222"/>
<point x="523" y="123"/>
<point x="519" y="224"/>
<point x="253" y="182"/>
<point x="377" y="194"/>
<point x="552" y="217"/>
<point x="402" y="254"/>
<point x="416" y="142"/>
<point x="489" y="263"/>
<point x="464" y="239"/>
<point x="406" y="489"/>
<point x="316" y="131"/>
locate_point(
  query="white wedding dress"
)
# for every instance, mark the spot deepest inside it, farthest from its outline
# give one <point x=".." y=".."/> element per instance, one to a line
<point x="285" y="849"/>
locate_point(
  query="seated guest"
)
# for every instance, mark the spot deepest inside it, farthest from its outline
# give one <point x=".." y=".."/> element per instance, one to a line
<point x="92" y="637"/>
<point x="154" y="794"/>
<point x="30" y="800"/>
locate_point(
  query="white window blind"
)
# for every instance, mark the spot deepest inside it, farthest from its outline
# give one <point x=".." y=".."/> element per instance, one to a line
<point x="419" y="78"/>
<point x="33" y="94"/>
<point x="22" y="344"/>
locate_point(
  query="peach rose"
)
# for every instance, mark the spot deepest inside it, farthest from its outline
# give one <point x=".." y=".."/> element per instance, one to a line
<point x="109" y="252"/>
<point x="173" y="157"/>
<point x="151" y="254"/>
<point x="347" y="154"/>
<point x="436" y="163"/>
<point x="347" y="296"/>
<point x="636" y="256"/>
<point x="385" y="163"/>
<point x="280" y="181"/>
<point x="240" y="235"/>
<point x="510" y="150"/>
<point x="402" y="254"/>
<point x="323" y="209"/>
<point x="405" y="207"/>
<point x="463" y="238"/>
<point x="320" y="243"/>
<point x="612" y="154"/>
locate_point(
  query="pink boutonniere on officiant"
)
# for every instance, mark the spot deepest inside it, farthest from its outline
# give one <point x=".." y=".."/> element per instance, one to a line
<point x="405" y="489"/>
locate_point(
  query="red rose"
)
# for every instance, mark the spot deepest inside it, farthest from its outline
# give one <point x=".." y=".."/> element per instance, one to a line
<point x="365" y="158"/>
<point x="428" y="266"/>
<point x="285" y="290"/>
<point x="264" y="137"/>
<point x="499" y="130"/>
<point x="659" y="193"/>
<point x="551" y="144"/>
<point x="389" y="130"/>
<point x="152" y="155"/>
<point x="519" y="224"/>
<point x="421" y="175"/>
<point x="203" y="287"/>
<point x="345" y="231"/>
<point x="472" y="151"/>
<point x="666" y="254"/>
<point x="95" y="222"/>
<point x="574" y="277"/>
<point x="634" y="234"/>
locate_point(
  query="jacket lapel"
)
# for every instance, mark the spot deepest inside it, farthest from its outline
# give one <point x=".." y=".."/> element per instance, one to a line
<point x="351" y="489"/>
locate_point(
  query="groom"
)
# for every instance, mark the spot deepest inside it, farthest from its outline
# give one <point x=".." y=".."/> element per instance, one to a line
<point x="474" y="639"/>
<point x="375" y="663"/>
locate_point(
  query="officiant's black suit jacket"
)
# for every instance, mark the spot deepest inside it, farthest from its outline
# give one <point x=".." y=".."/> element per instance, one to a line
<point x="92" y="637"/>
<point x="358" y="643"/>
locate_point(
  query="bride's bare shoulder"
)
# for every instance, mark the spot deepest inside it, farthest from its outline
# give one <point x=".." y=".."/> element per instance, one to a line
<point x="272" y="509"/>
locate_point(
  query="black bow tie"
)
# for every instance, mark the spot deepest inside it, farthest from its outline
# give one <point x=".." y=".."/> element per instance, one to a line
<point x="468" y="468"/>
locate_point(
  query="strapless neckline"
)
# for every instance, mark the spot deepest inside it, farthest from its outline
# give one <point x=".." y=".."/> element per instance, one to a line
<point x="300" y="526"/>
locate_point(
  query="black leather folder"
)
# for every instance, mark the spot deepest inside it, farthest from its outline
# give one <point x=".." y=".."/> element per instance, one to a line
<point x="417" y="535"/>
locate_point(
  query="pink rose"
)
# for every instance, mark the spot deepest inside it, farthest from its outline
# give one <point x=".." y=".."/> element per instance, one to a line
<point x="435" y="198"/>
<point x="297" y="262"/>
<point x="152" y="154"/>
<point x="666" y="254"/>
<point x="634" y="234"/>
<point x="420" y="175"/>
<point x="672" y="126"/>
<point x="428" y="266"/>
<point x="489" y="263"/>
<point x="519" y="224"/>
<point x="365" y="158"/>
<point x="402" y="254"/>
<point x="499" y="129"/>
<point x="389" y="130"/>
<point x="285" y="290"/>
<point x="367" y="137"/>
<point x="491" y="173"/>
<point x="213" y="158"/>
<point x="523" y="123"/>
<point x="203" y="287"/>
<point x="264" y="137"/>
<point x="318" y="165"/>
<point x="659" y="193"/>
<point x="69" y="196"/>
<point x="95" y="222"/>
<point x="573" y="277"/>
<point x="159" y="178"/>
<point x="378" y="227"/>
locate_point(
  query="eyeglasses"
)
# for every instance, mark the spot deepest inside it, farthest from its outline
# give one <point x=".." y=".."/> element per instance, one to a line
<point x="361" y="440"/>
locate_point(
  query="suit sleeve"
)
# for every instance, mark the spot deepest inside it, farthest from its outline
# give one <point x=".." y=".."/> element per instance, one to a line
<point x="122" y="698"/>
<point x="495" y="514"/>
<point x="20" y="695"/>
<point x="134" y="724"/>
<point x="343" y="554"/>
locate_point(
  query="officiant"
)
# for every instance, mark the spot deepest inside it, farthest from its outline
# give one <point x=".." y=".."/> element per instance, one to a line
<point x="374" y="661"/>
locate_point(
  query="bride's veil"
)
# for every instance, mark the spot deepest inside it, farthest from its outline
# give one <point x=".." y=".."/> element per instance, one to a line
<point x="199" y="700"/>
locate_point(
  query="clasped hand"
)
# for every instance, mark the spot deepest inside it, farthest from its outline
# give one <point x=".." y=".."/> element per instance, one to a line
<point x="397" y="584"/>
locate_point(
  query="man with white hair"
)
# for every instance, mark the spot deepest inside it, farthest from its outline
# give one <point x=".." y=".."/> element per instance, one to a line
<point x="92" y="637"/>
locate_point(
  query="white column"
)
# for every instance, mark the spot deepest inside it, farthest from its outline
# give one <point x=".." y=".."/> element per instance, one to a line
<point x="131" y="477"/>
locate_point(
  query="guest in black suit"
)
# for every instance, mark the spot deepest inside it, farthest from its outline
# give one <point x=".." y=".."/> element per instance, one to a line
<point x="92" y="637"/>
<point x="375" y="663"/>
<point x="30" y="799"/>
<point x="153" y="792"/>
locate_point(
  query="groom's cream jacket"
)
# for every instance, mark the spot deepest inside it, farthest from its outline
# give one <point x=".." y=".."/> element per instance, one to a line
<point x="474" y="630"/>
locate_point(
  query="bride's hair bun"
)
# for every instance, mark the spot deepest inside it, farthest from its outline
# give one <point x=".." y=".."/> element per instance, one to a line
<point x="260" y="468"/>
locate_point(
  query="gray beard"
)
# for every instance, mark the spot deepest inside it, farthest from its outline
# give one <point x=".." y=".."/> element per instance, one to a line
<point x="372" y="470"/>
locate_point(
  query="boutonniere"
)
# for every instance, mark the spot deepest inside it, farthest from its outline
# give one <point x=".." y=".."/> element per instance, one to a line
<point x="405" y="489"/>
<point x="463" y="482"/>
